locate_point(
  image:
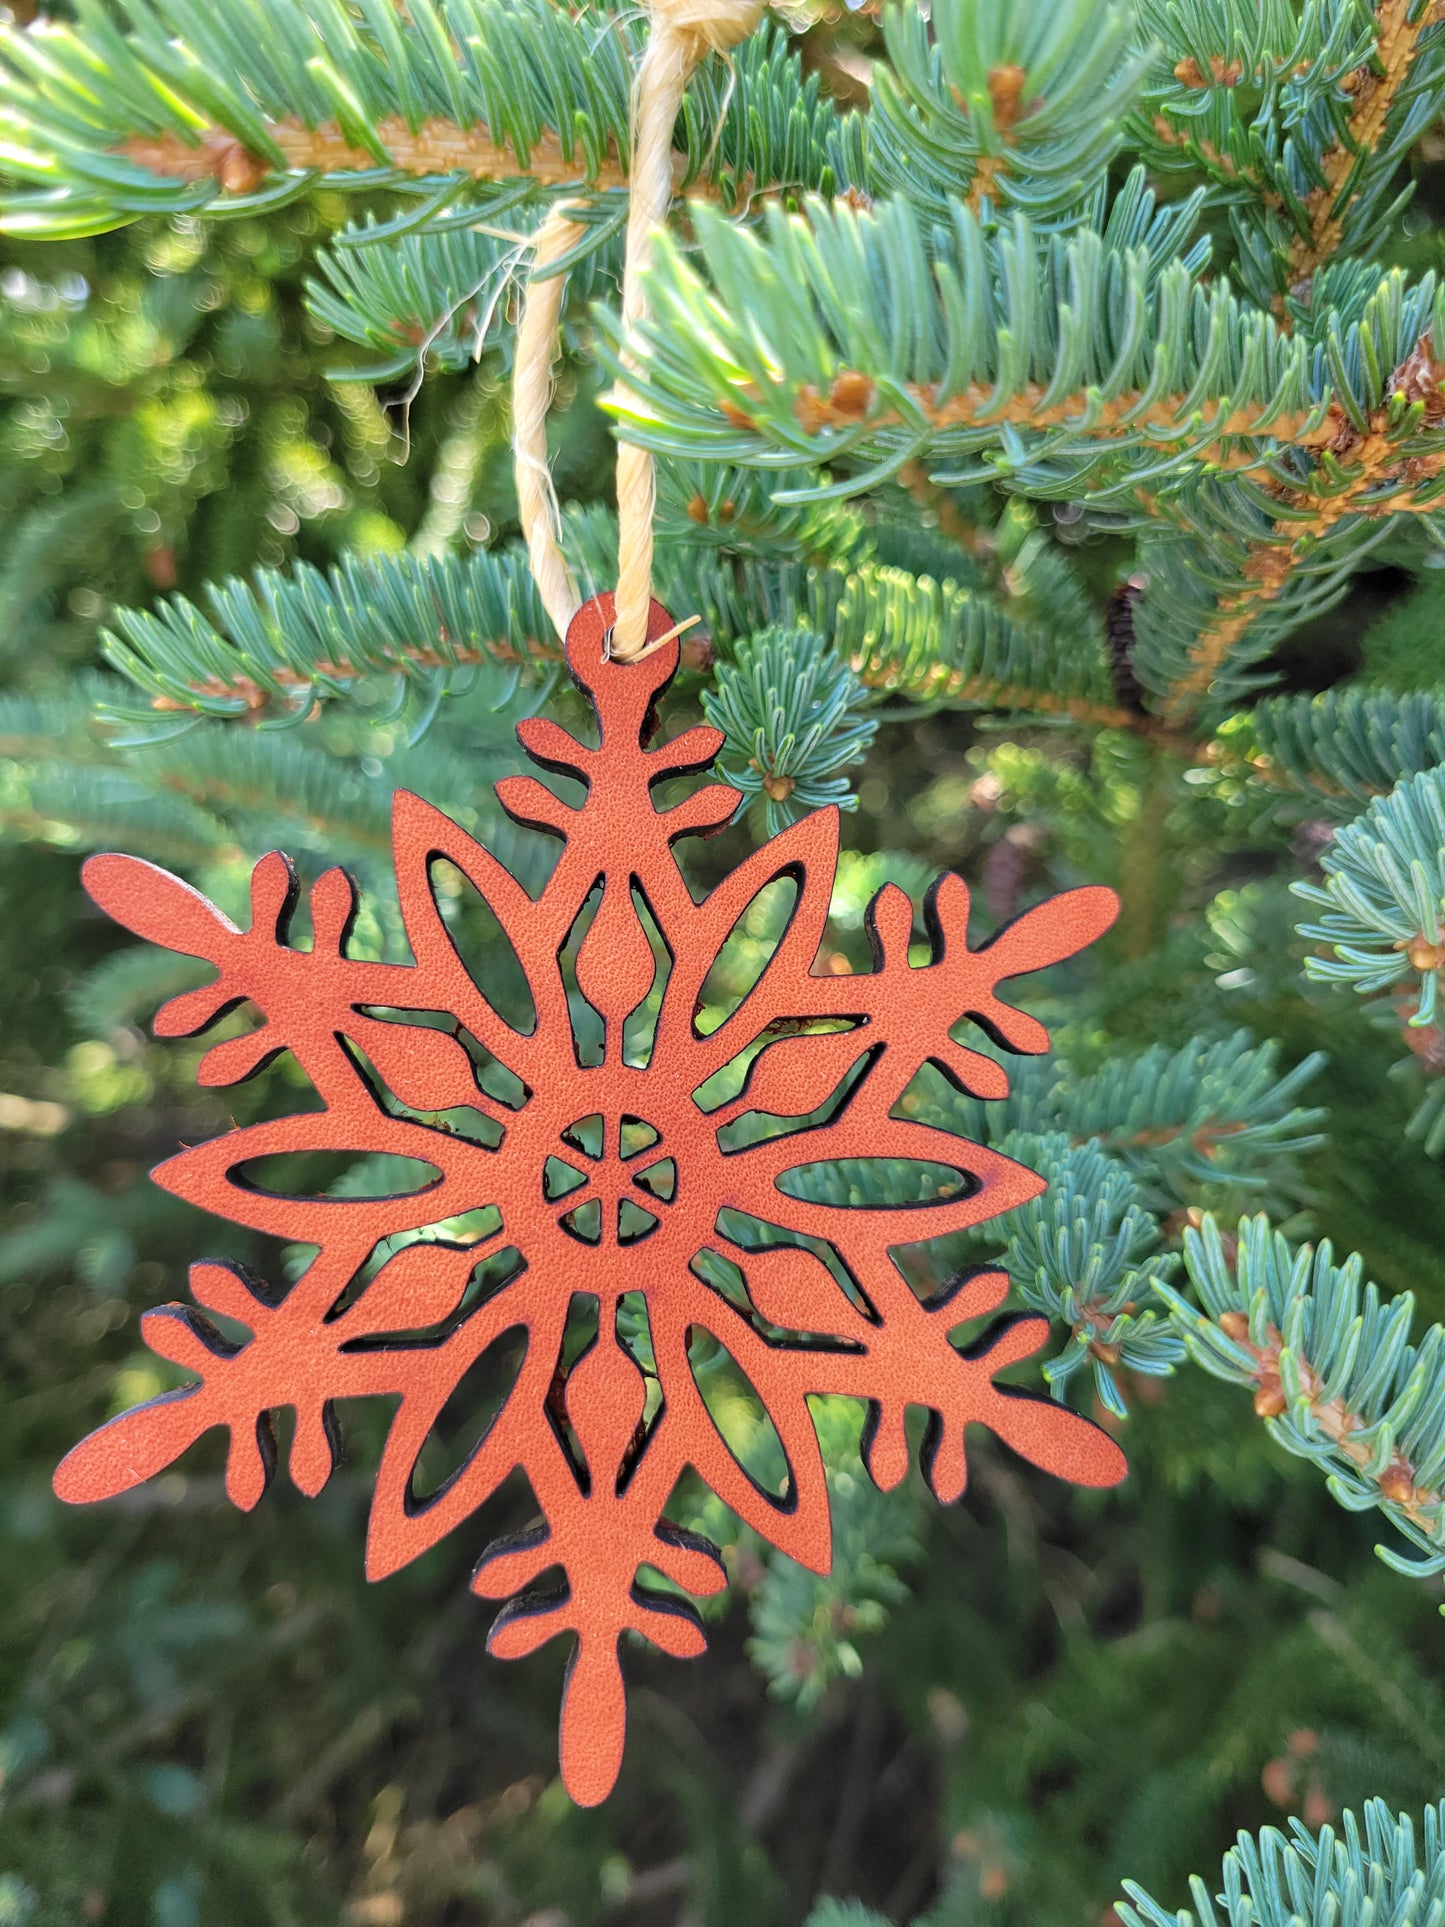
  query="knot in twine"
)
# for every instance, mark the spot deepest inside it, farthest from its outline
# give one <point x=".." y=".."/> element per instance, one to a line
<point x="683" y="31"/>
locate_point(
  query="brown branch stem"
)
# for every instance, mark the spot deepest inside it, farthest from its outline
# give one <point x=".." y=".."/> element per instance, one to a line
<point x="436" y="147"/>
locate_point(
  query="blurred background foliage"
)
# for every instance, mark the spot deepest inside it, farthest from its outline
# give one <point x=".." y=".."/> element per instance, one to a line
<point x="993" y="1713"/>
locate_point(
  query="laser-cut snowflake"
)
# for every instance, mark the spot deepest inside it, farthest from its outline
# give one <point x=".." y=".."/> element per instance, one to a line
<point x="608" y="1178"/>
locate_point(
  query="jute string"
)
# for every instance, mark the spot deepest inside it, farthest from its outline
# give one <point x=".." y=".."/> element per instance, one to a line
<point x="682" y="32"/>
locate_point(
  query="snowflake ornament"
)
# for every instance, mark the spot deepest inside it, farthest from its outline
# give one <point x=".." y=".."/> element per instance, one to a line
<point x="625" y="1178"/>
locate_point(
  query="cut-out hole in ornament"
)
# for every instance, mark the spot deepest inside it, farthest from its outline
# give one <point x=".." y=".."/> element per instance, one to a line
<point x="639" y="1030"/>
<point x="336" y="1174"/>
<point x="638" y="1136"/>
<point x="659" y="1180"/>
<point x="588" y="1135"/>
<point x="560" y="1179"/>
<point x="723" y="1276"/>
<point x="749" y="1233"/>
<point x="585" y="1223"/>
<point x="876" y="1184"/>
<point x="746" y="951"/>
<point x="744" y="1423"/>
<point x="634" y="1334"/>
<point x="633" y="1223"/>
<point x="460" y="1427"/>
<point x="477" y="931"/>
<point x="588" y="1029"/>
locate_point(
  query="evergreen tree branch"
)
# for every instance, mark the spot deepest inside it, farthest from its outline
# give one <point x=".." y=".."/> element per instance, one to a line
<point x="1339" y="749"/>
<point x="1380" y="1871"/>
<point x="280" y="645"/>
<point x="1215" y="1111"/>
<point x="1334" y="1372"/>
<point x="1086" y="1255"/>
<point x="1401" y="28"/>
<point x="934" y="642"/>
<point x="1259" y="554"/>
<point x="1046" y="361"/>
<point x="194" y="108"/>
<point x="1027" y="108"/>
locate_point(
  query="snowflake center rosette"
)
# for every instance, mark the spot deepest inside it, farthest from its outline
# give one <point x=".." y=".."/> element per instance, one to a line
<point x="618" y="1176"/>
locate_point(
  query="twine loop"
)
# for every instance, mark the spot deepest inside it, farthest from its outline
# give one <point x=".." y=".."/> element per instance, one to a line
<point x="683" y="31"/>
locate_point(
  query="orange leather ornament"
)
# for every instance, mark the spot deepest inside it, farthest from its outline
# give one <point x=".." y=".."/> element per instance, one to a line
<point x="656" y="1178"/>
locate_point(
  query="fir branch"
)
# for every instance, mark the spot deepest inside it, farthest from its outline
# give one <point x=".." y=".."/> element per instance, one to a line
<point x="96" y="809"/>
<point x="1382" y="902"/>
<point x="807" y="1628"/>
<point x="1341" y="748"/>
<point x="280" y="645"/>
<point x="1048" y="363"/>
<point x="934" y="642"/>
<point x="255" y="781"/>
<point x="59" y="725"/>
<point x="793" y="717"/>
<point x="1086" y="1255"/>
<point x="1284" y="547"/>
<point x="1383" y="920"/>
<point x="1276" y="59"/>
<point x="196" y="108"/>
<point x="1334" y="1372"/>
<point x="1027" y="107"/>
<point x="1403" y="30"/>
<point x="129" y="985"/>
<point x="1214" y="1111"/>
<point x="429" y="300"/>
<point x="1378" y="1872"/>
<point x="275" y="648"/>
<point x="1301" y="118"/>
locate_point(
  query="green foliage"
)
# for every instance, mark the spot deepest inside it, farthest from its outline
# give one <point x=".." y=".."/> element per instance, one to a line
<point x="423" y="301"/>
<point x="527" y="74"/>
<point x="810" y="1631"/>
<point x="1339" y="1380"/>
<point x="1213" y="1112"/>
<point x="1379" y="1871"/>
<point x="793" y="716"/>
<point x="1344" y="747"/>
<point x="1025" y="110"/>
<point x="1086" y="1255"/>
<point x="1034" y="382"/>
<point x="1382" y="897"/>
<point x="953" y="329"/>
<point x="278" y="645"/>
